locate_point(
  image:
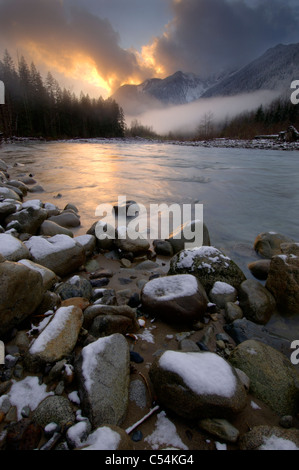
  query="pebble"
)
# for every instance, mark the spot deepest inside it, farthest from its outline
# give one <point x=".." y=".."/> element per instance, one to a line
<point x="126" y="263"/>
<point x="135" y="357"/>
<point x="137" y="436"/>
<point x="100" y="282"/>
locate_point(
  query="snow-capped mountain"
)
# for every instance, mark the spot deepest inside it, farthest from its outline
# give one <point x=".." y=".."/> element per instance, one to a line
<point x="179" y="88"/>
<point x="274" y="70"/>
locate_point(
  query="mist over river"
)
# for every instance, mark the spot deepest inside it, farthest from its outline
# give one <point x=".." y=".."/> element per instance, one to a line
<point x="244" y="191"/>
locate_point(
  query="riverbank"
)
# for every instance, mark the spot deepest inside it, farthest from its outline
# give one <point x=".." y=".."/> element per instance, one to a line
<point x="86" y="301"/>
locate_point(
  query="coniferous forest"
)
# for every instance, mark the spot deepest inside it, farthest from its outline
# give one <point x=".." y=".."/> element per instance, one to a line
<point x="37" y="107"/>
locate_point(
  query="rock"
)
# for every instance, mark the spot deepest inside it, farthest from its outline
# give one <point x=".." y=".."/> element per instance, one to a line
<point x="290" y="248"/>
<point x="3" y="166"/>
<point x="197" y="385"/>
<point x="76" y="286"/>
<point x="188" y="345"/>
<point x="21" y="292"/>
<point x="77" y="302"/>
<point x="286" y="422"/>
<point x="48" y="276"/>
<point x="106" y="325"/>
<point x="20" y="185"/>
<point x="88" y="242"/>
<point x="98" y="230"/>
<point x="50" y="229"/>
<point x="126" y="244"/>
<point x="175" y="299"/>
<point x="23" y="435"/>
<point x="6" y="193"/>
<point x="242" y="330"/>
<point x="260" y="269"/>
<point x="147" y="265"/>
<point x="60" y="253"/>
<point x="54" y="409"/>
<point x="103" y="373"/>
<point x="7" y="208"/>
<point x="267" y="244"/>
<point x="125" y="263"/>
<point x="71" y="207"/>
<point x="270" y="438"/>
<point x="59" y="337"/>
<point x="12" y="249"/>
<point x="273" y="378"/>
<point x="104" y="297"/>
<point x="51" y="301"/>
<point x="256" y="302"/>
<point x="37" y="188"/>
<point x="66" y="219"/>
<point x="51" y="209"/>
<point x="209" y="265"/>
<point x="220" y="428"/>
<point x="28" y="180"/>
<point x="92" y="312"/>
<point x="28" y="220"/>
<point x="223" y="293"/>
<point x="108" y="438"/>
<point x="232" y="312"/>
<point x="123" y="296"/>
<point x="163" y="248"/>
<point x="283" y="283"/>
<point x="178" y="239"/>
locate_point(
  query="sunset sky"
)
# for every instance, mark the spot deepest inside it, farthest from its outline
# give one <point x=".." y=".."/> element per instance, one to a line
<point x="98" y="45"/>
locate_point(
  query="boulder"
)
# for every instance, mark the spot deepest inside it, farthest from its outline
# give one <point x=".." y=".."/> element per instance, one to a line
<point x="60" y="253"/>
<point x="92" y="312"/>
<point x="209" y="265"/>
<point x="54" y="409"/>
<point x="268" y="244"/>
<point x="7" y="193"/>
<point x="88" y="242"/>
<point x="66" y="219"/>
<point x="12" y="249"/>
<point x="107" y="325"/>
<point x="76" y="286"/>
<point x="27" y="220"/>
<point x="256" y="302"/>
<point x="197" y="385"/>
<point x="163" y="248"/>
<point x="50" y="229"/>
<point x="98" y="230"/>
<point x="270" y="438"/>
<point x="59" y="337"/>
<point x="283" y="283"/>
<point x="273" y="378"/>
<point x="103" y="372"/>
<point x="220" y="428"/>
<point x="242" y="330"/>
<point x="260" y="269"/>
<point x="175" y="299"/>
<point x="126" y="244"/>
<point x="233" y="312"/>
<point x="21" y="292"/>
<point x="178" y="239"/>
<point x="223" y="293"/>
<point x="48" y="276"/>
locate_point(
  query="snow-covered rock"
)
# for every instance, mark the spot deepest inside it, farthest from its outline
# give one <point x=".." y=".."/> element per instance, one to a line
<point x="176" y="299"/>
<point x="197" y="385"/>
<point x="49" y="277"/>
<point x="104" y="374"/>
<point x="12" y="249"/>
<point x="60" y="253"/>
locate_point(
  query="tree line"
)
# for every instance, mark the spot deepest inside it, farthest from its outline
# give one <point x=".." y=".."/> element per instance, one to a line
<point x="37" y="107"/>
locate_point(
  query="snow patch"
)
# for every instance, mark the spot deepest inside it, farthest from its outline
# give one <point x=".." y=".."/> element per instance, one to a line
<point x="102" y="439"/>
<point x="171" y="287"/>
<point x="222" y="288"/>
<point x="204" y="373"/>
<point x="278" y="443"/>
<point x="90" y="359"/>
<point x="165" y="433"/>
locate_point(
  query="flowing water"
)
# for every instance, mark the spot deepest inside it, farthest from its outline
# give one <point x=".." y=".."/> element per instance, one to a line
<point x="244" y="191"/>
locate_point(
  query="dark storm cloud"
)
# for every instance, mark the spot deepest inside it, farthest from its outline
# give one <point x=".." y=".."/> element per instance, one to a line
<point x="209" y="35"/>
<point x="63" y="35"/>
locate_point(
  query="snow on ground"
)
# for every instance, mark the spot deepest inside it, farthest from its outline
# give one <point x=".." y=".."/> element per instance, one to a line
<point x="102" y="439"/>
<point x="27" y="392"/>
<point x="171" y="287"/>
<point x="277" y="443"/>
<point x="165" y="434"/>
<point x="254" y="406"/>
<point x="204" y="373"/>
<point x="146" y="336"/>
<point x="74" y="398"/>
<point x="220" y="446"/>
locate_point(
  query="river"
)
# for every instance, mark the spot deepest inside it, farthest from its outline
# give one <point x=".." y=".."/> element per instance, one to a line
<point x="243" y="191"/>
